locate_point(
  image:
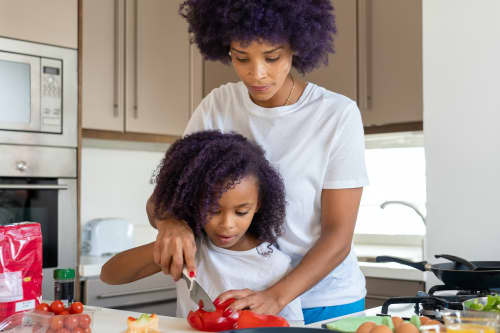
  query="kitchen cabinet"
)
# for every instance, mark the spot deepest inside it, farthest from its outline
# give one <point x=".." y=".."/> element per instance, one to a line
<point x="379" y="290"/>
<point x="52" y="22"/>
<point x="136" y="67"/>
<point x="377" y="61"/>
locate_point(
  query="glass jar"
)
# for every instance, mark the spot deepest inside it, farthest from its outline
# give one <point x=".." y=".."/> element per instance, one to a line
<point x="64" y="285"/>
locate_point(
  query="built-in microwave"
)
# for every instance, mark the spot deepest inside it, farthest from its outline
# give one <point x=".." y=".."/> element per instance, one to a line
<point x="38" y="94"/>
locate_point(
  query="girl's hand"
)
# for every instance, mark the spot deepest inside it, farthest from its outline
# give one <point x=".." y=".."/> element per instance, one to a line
<point x="261" y="302"/>
<point x="174" y="247"/>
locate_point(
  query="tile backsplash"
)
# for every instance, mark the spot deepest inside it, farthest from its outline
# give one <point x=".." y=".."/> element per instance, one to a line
<point x="116" y="182"/>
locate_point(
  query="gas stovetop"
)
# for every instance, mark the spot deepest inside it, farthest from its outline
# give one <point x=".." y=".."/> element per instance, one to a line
<point x="438" y="300"/>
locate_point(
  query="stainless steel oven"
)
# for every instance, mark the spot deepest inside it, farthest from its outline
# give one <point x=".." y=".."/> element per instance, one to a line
<point x="38" y="94"/>
<point x="38" y="184"/>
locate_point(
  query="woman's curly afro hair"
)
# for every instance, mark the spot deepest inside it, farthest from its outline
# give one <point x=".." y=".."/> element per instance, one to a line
<point x="200" y="167"/>
<point x="307" y="25"/>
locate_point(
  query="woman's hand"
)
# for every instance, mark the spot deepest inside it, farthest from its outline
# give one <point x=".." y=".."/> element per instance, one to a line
<point x="175" y="247"/>
<point x="261" y="302"/>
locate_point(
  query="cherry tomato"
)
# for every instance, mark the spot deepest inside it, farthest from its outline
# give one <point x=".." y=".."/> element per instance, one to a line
<point x="56" y="322"/>
<point x="84" y="321"/>
<point x="64" y="313"/>
<point x="71" y="322"/>
<point x="87" y="330"/>
<point x="76" y="307"/>
<point x="57" y="307"/>
<point x="43" y="307"/>
<point x="63" y="330"/>
<point x="78" y="330"/>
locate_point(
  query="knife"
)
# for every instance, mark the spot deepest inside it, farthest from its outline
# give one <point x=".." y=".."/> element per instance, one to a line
<point x="197" y="293"/>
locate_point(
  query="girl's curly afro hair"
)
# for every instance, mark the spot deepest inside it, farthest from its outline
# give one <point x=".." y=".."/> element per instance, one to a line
<point x="200" y="167"/>
<point x="307" y="25"/>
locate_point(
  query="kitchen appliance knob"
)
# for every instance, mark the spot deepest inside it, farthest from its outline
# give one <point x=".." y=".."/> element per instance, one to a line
<point x="21" y="166"/>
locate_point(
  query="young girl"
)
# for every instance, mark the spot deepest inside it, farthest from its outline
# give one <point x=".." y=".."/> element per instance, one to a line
<point x="226" y="191"/>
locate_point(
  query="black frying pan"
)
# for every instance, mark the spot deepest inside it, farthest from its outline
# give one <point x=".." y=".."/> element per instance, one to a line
<point x="457" y="275"/>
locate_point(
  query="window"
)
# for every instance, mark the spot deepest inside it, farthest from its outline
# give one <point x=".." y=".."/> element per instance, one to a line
<point x="396" y="169"/>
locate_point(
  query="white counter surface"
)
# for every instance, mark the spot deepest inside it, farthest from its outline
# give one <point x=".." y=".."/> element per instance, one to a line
<point x="108" y="320"/>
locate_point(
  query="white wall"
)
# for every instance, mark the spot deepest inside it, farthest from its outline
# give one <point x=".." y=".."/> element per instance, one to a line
<point x="461" y="77"/>
<point x="116" y="182"/>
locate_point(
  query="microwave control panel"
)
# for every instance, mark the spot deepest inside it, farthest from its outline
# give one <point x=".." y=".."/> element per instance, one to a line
<point x="51" y="96"/>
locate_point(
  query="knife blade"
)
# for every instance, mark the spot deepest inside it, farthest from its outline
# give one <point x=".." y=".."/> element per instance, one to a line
<point x="197" y="293"/>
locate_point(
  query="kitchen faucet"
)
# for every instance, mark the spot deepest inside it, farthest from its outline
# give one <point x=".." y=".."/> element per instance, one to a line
<point x="404" y="203"/>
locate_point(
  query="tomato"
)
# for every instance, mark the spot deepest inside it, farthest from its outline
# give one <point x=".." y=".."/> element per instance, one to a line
<point x="56" y="322"/>
<point x="43" y="307"/>
<point x="78" y="330"/>
<point x="63" y="330"/>
<point x="76" y="307"/>
<point x="86" y="330"/>
<point x="57" y="307"/>
<point x="71" y="322"/>
<point x="64" y="313"/>
<point x="84" y="321"/>
<point x="249" y="319"/>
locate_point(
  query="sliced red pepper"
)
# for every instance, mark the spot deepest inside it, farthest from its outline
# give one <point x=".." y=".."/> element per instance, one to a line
<point x="212" y="321"/>
<point x="249" y="319"/>
<point x="216" y="321"/>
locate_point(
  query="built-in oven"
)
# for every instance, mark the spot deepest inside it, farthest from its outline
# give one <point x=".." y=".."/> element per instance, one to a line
<point x="38" y="184"/>
<point x="38" y="94"/>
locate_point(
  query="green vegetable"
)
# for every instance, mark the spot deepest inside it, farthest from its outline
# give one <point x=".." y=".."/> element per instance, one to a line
<point x="492" y="304"/>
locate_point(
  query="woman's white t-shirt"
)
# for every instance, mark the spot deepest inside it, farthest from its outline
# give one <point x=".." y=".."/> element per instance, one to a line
<point x="219" y="270"/>
<point x="316" y="143"/>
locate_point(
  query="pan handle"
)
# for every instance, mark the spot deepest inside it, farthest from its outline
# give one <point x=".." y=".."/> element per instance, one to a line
<point x="457" y="260"/>
<point x="422" y="265"/>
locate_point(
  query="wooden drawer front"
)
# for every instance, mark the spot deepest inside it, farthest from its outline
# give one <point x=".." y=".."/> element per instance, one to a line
<point x="373" y="302"/>
<point x="392" y="288"/>
<point x="157" y="288"/>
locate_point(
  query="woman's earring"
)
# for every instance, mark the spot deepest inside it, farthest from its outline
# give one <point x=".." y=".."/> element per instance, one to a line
<point x="229" y="53"/>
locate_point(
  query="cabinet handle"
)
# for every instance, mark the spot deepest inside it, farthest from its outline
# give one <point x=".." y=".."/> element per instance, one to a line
<point x="137" y="292"/>
<point x="116" y="46"/>
<point x="33" y="187"/>
<point x="136" y="53"/>
<point x="364" y="24"/>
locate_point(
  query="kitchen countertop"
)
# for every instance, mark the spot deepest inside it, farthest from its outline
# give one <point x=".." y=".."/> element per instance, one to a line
<point x="109" y="320"/>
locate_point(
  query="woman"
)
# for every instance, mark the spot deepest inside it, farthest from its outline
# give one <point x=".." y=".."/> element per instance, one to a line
<point x="312" y="135"/>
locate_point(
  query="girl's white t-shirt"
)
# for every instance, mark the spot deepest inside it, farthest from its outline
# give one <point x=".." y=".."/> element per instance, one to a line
<point x="219" y="270"/>
<point x="316" y="143"/>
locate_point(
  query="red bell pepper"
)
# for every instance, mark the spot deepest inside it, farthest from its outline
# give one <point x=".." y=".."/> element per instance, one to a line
<point x="250" y="319"/>
<point x="212" y="321"/>
<point x="217" y="321"/>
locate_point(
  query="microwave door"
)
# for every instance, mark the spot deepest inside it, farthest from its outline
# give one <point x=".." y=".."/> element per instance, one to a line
<point x="19" y="92"/>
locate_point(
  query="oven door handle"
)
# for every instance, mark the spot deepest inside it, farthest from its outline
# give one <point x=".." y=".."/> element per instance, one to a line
<point x="33" y="187"/>
<point x="136" y="292"/>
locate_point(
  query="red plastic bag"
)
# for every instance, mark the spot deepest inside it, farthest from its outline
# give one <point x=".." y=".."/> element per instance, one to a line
<point x="20" y="267"/>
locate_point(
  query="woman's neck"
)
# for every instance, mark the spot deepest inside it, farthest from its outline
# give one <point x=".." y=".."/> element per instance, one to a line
<point x="288" y="96"/>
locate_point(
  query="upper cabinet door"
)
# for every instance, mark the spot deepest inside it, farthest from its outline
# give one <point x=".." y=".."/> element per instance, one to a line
<point x="390" y="61"/>
<point x="52" y="22"/>
<point x="102" y="64"/>
<point x="341" y="73"/>
<point x="157" y="68"/>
